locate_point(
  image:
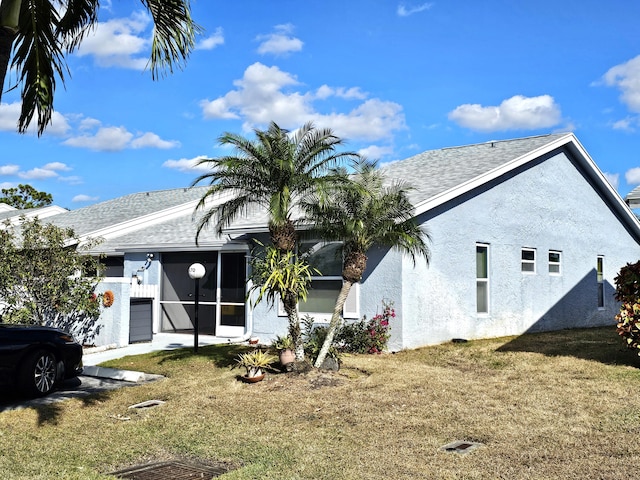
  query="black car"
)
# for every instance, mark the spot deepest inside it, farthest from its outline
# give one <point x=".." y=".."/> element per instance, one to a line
<point x="34" y="359"/>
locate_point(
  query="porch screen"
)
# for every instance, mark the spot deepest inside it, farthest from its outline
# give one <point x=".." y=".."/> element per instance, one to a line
<point x="178" y="290"/>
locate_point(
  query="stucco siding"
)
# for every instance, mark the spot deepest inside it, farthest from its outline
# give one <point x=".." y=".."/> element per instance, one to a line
<point x="548" y="206"/>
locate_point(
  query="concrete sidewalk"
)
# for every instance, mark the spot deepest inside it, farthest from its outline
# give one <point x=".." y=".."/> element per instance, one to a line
<point x="161" y="341"/>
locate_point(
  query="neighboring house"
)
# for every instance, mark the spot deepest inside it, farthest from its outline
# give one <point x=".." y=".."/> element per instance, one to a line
<point x="527" y="235"/>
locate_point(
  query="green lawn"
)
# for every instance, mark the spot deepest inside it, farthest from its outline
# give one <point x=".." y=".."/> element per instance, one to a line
<point x="545" y="406"/>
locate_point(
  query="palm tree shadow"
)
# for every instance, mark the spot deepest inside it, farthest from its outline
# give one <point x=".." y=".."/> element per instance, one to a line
<point x="221" y="355"/>
<point x="596" y="344"/>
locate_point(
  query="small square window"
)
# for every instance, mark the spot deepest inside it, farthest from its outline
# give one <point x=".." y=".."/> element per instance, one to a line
<point x="555" y="262"/>
<point x="528" y="260"/>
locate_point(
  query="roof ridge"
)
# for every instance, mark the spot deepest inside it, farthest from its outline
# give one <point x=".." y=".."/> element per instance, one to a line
<point x="519" y="139"/>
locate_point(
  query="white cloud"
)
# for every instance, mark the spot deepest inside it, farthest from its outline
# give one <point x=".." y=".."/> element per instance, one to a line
<point x="613" y="179"/>
<point x="106" y="139"/>
<point x="120" y="42"/>
<point x="10" y="113"/>
<point x="38" y="174"/>
<point x="9" y="169"/>
<point x="49" y="170"/>
<point x="71" y="180"/>
<point x="279" y="42"/>
<point x="515" y="113"/>
<point x="187" y="165"/>
<point x="264" y="95"/>
<point x="57" y="166"/>
<point x="405" y="11"/>
<point x="212" y="41"/>
<point x="626" y="77"/>
<point x="632" y="176"/>
<point x="626" y="124"/>
<point x="7" y="185"/>
<point x="353" y="93"/>
<point x="84" y="198"/>
<point x="375" y="152"/>
<point x="151" y="140"/>
<point x="114" y="139"/>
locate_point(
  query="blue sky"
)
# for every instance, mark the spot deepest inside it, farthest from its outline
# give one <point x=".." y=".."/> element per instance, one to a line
<point x="391" y="78"/>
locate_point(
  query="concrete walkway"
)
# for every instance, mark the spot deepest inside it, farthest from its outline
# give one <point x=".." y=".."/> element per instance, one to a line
<point x="161" y="341"/>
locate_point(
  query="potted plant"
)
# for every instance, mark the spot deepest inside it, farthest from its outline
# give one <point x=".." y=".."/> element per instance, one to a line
<point x="286" y="349"/>
<point x="254" y="362"/>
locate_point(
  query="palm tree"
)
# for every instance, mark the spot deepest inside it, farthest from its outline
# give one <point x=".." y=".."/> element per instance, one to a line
<point x="362" y="215"/>
<point x="41" y="33"/>
<point x="273" y="171"/>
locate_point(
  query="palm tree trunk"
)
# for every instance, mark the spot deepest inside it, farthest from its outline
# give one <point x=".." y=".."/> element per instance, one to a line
<point x="9" y="19"/>
<point x="294" y="327"/>
<point x="6" y="41"/>
<point x="335" y="322"/>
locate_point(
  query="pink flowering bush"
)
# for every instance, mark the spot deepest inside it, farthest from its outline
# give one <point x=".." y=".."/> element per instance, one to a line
<point x="365" y="336"/>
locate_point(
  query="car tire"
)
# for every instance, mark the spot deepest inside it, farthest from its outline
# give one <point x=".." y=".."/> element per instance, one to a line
<point x="39" y="373"/>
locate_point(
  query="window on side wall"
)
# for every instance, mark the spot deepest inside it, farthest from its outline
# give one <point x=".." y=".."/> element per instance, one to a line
<point x="482" y="278"/>
<point x="600" y="279"/>
<point x="555" y="262"/>
<point x="528" y="260"/>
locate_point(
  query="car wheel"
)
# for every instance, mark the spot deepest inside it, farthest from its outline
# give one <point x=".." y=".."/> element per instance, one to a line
<point x="39" y="373"/>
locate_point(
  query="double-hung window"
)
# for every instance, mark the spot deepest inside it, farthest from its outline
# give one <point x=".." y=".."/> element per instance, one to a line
<point x="555" y="263"/>
<point x="528" y="260"/>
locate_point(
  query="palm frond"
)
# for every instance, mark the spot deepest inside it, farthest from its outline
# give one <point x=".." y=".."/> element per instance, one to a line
<point x="77" y="20"/>
<point x="38" y="57"/>
<point x="173" y="36"/>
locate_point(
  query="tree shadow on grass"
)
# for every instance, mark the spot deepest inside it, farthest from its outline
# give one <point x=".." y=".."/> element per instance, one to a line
<point x="221" y="355"/>
<point x="50" y="408"/>
<point x="602" y="345"/>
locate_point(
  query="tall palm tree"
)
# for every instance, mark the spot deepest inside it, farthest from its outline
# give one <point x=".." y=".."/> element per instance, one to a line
<point x="273" y="171"/>
<point x="364" y="214"/>
<point x="41" y="32"/>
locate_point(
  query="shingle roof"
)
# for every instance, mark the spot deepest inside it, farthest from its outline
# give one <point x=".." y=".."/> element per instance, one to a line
<point x="122" y="209"/>
<point x="436" y="171"/>
<point x="164" y="219"/>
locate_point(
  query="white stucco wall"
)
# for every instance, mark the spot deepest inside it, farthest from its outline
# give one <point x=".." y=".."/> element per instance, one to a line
<point x="547" y="207"/>
<point x="114" y="320"/>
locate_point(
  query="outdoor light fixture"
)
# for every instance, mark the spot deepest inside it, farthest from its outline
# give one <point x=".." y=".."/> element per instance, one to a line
<point x="196" y="272"/>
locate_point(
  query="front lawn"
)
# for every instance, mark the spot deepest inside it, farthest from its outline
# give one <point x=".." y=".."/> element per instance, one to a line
<point x="560" y="405"/>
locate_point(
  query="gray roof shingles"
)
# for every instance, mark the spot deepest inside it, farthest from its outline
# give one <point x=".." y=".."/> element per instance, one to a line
<point x="436" y="171"/>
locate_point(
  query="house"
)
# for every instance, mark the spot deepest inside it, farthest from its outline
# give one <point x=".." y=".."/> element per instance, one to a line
<point x="527" y="235"/>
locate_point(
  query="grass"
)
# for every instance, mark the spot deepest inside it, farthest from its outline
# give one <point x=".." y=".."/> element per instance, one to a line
<point x="559" y="405"/>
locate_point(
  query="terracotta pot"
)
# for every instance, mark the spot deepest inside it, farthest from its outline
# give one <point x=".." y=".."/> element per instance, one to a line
<point x="287" y="356"/>
<point x="255" y="379"/>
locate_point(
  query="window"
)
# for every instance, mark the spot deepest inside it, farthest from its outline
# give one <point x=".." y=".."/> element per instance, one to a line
<point x="325" y="287"/>
<point x="528" y="258"/>
<point x="554" y="262"/>
<point x="600" y="279"/>
<point x="482" y="278"/>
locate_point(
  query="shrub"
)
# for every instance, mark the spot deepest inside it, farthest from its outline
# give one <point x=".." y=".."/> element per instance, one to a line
<point x="367" y="336"/>
<point x="314" y="339"/>
<point x="628" y="292"/>
<point x="628" y="283"/>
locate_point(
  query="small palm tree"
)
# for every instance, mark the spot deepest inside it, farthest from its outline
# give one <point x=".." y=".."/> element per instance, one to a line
<point x="273" y="172"/>
<point x="41" y="33"/>
<point x="361" y="215"/>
